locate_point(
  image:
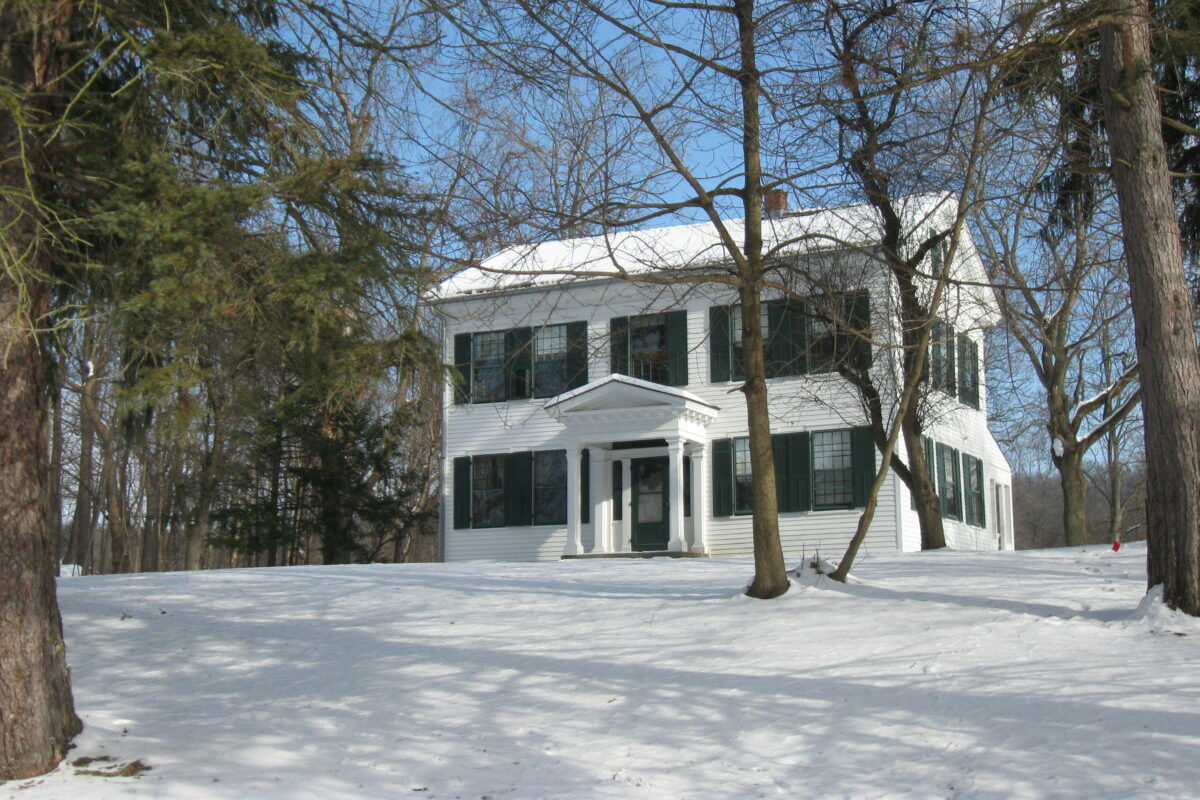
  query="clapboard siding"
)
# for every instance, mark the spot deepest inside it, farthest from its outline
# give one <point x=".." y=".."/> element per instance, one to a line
<point x="802" y="403"/>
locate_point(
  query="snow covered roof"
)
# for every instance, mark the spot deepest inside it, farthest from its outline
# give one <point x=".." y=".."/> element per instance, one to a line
<point x="634" y="252"/>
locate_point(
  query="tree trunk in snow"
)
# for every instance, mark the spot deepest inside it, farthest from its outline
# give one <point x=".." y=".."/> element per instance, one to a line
<point x="37" y="716"/>
<point x="1074" y="488"/>
<point x="1162" y="308"/>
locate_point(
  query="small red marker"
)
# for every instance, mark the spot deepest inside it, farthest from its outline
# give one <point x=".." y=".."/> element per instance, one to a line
<point x="1116" y="546"/>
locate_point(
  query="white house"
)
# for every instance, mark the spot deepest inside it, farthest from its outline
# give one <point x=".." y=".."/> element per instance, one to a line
<point x="597" y="411"/>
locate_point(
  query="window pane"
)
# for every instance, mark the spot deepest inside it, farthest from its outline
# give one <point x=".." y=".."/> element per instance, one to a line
<point x="550" y="488"/>
<point x="948" y="482"/>
<point x="742" y="476"/>
<point x="648" y="347"/>
<point x="831" y="470"/>
<point x="487" y="491"/>
<point x="550" y="361"/>
<point x="488" y="361"/>
<point x="649" y="488"/>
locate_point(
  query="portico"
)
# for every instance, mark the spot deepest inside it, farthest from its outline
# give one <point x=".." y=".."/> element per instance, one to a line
<point x="643" y="439"/>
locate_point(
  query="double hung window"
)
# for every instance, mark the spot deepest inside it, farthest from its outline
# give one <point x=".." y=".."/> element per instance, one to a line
<point x="949" y="481"/>
<point x="550" y="487"/>
<point x="742" y="476"/>
<point x="648" y="348"/>
<point x="652" y="347"/>
<point x="550" y="360"/>
<point x="487" y="366"/>
<point x="832" y="470"/>
<point x="519" y="363"/>
<point x="487" y="491"/>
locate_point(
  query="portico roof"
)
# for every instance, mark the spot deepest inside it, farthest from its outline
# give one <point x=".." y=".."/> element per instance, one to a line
<point x="622" y="393"/>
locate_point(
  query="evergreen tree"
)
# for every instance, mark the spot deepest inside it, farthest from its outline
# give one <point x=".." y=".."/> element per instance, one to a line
<point x="166" y="165"/>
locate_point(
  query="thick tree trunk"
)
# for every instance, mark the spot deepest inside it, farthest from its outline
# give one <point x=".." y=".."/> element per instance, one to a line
<point x="925" y="496"/>
<point x="56" y="464"/>
<point x="37" y="716"/>
<point x="770" y="573"/>
<point x="1162" y="308"/>
<point x="1073" y="480"/>
<point x="194" y="539"/>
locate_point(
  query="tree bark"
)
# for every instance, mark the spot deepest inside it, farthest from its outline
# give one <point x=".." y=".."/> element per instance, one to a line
<point x="925" y="496"/>
<point x="37" y="716"/>
<point x="770" y="573"/>
<point x="1162" y="308"/>
<point x="1074" y="488"/>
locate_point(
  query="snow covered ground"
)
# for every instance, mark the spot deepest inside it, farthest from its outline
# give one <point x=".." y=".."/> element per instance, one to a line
<point x="1035" y="674"/>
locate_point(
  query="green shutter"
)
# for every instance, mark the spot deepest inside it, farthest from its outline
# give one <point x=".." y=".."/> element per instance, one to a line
<point x="791" y="467"/>
<point x="677" y="348"/>
<point x="577" y="354"/>
<point x="462" y="363"/>
<point x="618" y="345"/>
<point x="949" y="509"/>
<point x="462" y="492"/>
<point x="718" y="344"/>
<point x="862" y="461"/>
<point x="722" y="477"/>
<point x="958" y="482"/>
<point x="585" y="487"/>
<point x="518" y="362"/>
<point x="801" y="469"/>
<point x="518" y="489"/>
<point x="780" y="350"/>
<point x="969" y="505"/>
<point x="779" y="450"/>
<point x="930" y="464"/>
<point x="981" y="497"/>
<point x="859" y="316"/>
<point x="968" y="370"/>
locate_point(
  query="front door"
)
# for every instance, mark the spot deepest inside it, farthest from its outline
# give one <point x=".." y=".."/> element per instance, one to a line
<point x="650" y="517"/>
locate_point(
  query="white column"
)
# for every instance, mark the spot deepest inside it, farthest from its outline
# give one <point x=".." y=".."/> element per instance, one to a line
<point x="574" y="534"/>
<point x="601" y="491"/>
<point x="626" y="501"/>
<point x="675" y="452"/>
<point x="699" y="501"/>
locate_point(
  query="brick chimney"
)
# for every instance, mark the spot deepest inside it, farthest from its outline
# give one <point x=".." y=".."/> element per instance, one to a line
<point x="775" y="203"/>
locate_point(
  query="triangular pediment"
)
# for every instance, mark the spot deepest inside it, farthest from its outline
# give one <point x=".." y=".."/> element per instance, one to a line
<point x="621" y="392"/>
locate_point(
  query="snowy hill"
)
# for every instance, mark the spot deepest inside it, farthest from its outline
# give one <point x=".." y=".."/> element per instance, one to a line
<point x="1030" y="674"/>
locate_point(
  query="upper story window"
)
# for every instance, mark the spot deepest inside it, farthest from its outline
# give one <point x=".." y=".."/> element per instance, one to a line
<point x="519" y="363"/>
<point x="648" y="348"/>
<point x="550" y="374"/>
<point x="487" y="365"/>
<point x="798" y="337"/>
<point x="652" y="347"/>
<point x="968" y="370"/>
<point x="954" y="364"/>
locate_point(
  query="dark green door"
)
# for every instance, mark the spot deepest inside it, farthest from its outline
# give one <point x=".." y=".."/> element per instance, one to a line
<point x="650" y="517"/>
